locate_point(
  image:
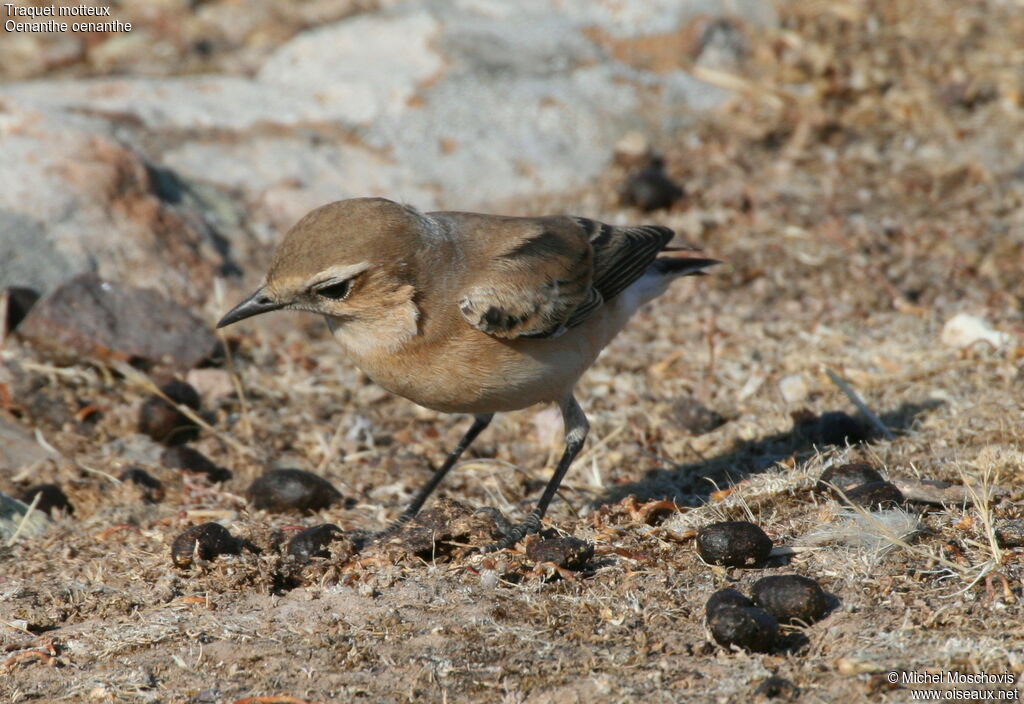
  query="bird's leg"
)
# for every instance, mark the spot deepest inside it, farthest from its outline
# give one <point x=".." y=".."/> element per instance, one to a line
<point x="480" y="422"/>
<point x="576" y="428"/>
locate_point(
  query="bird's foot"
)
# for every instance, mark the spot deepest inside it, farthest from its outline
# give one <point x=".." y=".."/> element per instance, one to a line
<point x="510" y="534"/>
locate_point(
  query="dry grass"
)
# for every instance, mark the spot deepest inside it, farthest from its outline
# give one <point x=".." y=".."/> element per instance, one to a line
<point x="864" y="189"/>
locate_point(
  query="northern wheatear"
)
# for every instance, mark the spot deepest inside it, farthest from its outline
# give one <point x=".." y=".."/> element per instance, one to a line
<point x="469" y="313"/>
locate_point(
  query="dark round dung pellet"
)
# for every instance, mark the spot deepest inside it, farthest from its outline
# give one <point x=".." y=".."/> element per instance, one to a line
<point x="165" y="423"/>
<point x="152" y="488"/>
<point x="207" y="540"/>
<point x="838" y="428"/>
<point x="650" y="189"/>
<point x="749" y="628"/>
<point x="312" y="542"/>
<point x="726" y="597"/>
<point x="1010" y="534"/>
<point x="281" y="490"/>
<point x="187" y="459"/>
<point x="791" y="598"/>
<point x="568" y="552"/>
<point x="51" y="497"/>
<point x="733" y="544"/>
<point x="876" y="495"/>
<point x="776" y="687"/>
<point x="847" y="476"/>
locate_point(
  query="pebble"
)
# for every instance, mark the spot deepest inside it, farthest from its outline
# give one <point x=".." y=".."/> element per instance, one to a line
<point x="733" y="544"/>
<point x="187" y="459"/>
<point x="876" y="495"/>
<point x="794" y="388"/>
<point x="846" y="477"/>
<point x="207" y="540"/>
<point x="314" y="541"/>
<point x="791" y="598"/>
<point x="52" y="498"/>
<point x="749" y="628"/>
<point x="211" y="383"/>
<point x="13" y="520"/>
<point x="568" y="552"/>
<point x="964" y="330"/>
<point x="281" y="490"/>
<point x="152" y="488"/>
<point x="165" y="423"/>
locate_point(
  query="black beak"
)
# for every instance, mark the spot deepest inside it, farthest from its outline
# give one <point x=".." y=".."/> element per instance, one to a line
<point x="255" y="304"/>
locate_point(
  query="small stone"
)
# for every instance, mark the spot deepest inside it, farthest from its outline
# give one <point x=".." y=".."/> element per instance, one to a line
<point x="846" y="477"/>
<point x="281" y="490"/>
<point x="650" y="188"/>
<point x="17" y="301"/>
<point x="314" y="542"/>
<point x="12" y="519"/>
<point x="749" y="628"/>
<point x="568" y="552"/>
<point x="152" y="488"/>
<point x="695" y="417"/>
<point x="51" y="498"/>
<point x="964" y="330"/>
<point x="186" y="459"/>
<point x="1010" y="534"/>
<point x="102" y="320"/>
<point x="726" y="597"/>
<point x="633" y="150"/>
<point x="794" y="388"/>
<point x="207" y="540"/>
<point x="791" y="598"/>
<point x="18" y="448"/>
<point x="733" y="544"/>
<point x="212" y="384"/>
<point x="876" y="495"/>
<point x="165" y="423"/>
<point x="775" y="687"/>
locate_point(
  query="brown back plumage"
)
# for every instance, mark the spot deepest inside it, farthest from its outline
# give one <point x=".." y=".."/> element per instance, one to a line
<point x="552" y="273"/>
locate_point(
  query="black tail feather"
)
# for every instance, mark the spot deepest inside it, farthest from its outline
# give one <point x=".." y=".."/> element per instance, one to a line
<point x="683" y="266"/>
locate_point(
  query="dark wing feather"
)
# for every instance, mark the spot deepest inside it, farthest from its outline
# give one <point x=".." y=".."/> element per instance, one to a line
<point x="622" y="254"/>
<point x="553" y="273"/>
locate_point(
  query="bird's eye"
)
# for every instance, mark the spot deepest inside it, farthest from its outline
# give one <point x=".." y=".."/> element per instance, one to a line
<point x="336" y="292"/>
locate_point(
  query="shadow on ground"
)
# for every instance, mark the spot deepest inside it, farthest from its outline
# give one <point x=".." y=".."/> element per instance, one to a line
<point x="691" y="483"/>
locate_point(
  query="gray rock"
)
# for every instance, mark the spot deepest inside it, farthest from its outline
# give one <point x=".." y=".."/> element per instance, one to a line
<point x="95" y="319"/>
<point x="17" y="447"/>
<point x="75" y="199"/>
<point x="12" y="513"/>
<point x="463" y="104"/>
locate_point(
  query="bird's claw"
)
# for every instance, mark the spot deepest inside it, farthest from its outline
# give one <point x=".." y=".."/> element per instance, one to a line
<point x="511" y="534"/>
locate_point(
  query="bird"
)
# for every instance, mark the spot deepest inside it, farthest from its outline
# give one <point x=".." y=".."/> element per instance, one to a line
<point x="470" y="313"/>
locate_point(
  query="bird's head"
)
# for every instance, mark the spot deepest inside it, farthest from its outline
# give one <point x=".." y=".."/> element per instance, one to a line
<point x="348" y="260"/>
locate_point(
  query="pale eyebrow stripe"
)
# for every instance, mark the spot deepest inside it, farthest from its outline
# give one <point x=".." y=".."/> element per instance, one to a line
<point x="340" y="272"/>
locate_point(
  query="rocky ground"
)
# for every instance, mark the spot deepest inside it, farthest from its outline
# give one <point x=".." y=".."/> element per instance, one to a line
<point x="856" y="165"/>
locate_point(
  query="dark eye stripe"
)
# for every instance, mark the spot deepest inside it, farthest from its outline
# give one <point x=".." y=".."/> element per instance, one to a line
<point x="335" y="292"/>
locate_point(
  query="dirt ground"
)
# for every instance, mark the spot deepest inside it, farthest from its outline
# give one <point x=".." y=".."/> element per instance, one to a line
<point x="864" y="187"/>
